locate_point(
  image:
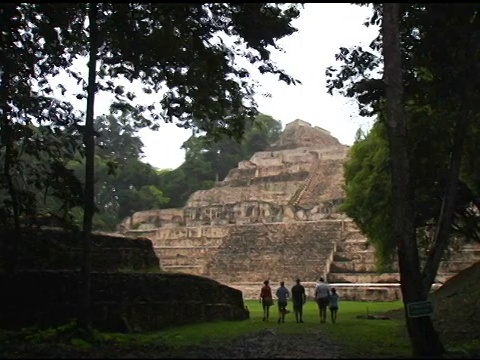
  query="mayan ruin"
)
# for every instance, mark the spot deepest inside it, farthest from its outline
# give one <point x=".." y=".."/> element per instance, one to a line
<point x="276" y="216"/>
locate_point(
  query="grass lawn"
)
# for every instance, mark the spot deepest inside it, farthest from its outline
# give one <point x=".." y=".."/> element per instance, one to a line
<point x="357" y="336"/>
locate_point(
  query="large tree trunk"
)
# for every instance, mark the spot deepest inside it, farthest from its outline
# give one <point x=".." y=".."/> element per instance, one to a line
<point x="442" y="231"/>
<point x="89" y="140"/>
<point x="7" y="140"/>
<point x="424" y="339"/>
<point x="14" y="242"/>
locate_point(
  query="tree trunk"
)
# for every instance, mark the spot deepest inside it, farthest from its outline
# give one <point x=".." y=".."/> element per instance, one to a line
<point x="11" y="265"/>
<point x="7" y="141"/>
<point x="89" y="140"/>
<point x="424" y="339"/>
<point x="442" y="230"/>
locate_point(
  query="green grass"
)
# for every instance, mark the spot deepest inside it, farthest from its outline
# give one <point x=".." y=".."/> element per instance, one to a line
<point x="370" y="337"/>
<point x="357" y="336"/>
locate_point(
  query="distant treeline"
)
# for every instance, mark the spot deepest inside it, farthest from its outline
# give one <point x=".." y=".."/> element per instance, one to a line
<point x="124" y="184"/>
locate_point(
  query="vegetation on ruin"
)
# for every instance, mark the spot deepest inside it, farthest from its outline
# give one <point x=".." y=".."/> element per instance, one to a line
<point x="124" y="184"/>
<point x="208" y="161"/>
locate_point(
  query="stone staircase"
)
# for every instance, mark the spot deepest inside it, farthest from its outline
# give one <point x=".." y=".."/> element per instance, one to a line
<point x="354" y="261"/>
<point x="353" y="272"/>
<point x="259" y="251"/>
<point x="353" y="268"/>
<point x="188" y="255"/>
<point x="276" y="251"/>
<point x="321" y="191"/>
<point x="303" y="188"/>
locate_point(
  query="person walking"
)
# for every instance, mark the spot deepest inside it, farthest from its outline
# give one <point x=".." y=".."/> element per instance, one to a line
<point x="333" y="305"/>
<point x="266" y="299"/>
<point x="282" y="295"/>
<point x="299" y="298"/>
<point x="322" y="294"/>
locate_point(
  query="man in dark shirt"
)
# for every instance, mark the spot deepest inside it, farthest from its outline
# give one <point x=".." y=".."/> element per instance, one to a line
<point x="299" y="299"/>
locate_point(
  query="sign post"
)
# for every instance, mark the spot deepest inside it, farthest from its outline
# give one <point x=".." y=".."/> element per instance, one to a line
<point x="420" y="308"/>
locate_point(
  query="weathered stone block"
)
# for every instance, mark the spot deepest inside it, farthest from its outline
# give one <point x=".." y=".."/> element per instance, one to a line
<point x="351" y="267"/>
<point x="363" y="278"/>
<point x="57" y="249"/>
<point x="371" y="293"/>
<point x="147" y="302"/>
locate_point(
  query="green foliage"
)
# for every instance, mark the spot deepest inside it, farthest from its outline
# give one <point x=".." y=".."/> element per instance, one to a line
<point x="69" y="333"/>
<point x="208" y="161"/>
<point x="132" y="200"/>
<point x="37" y="41"/>
<point x="124" y="184"/>
<point x="368" y="192"/>
<point x="436" y="103"/>
<point x="368" y="189"/>
<point x="203" y="87"/>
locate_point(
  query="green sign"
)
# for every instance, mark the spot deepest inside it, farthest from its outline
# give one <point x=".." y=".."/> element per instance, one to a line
<point x="421" y="308"/>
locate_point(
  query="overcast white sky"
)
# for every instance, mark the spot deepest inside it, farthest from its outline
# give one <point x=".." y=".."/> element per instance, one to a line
<point x="322" y="30"/>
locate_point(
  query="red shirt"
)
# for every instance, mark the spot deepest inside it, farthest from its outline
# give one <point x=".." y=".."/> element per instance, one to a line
<point x="266" y="292"/>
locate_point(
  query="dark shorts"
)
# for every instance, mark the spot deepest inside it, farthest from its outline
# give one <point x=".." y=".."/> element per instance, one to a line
<point x="323" y="302"/>
<point x="297" y="305"/>
<point x="267" y="302"/>
<point x="282" y="305"/>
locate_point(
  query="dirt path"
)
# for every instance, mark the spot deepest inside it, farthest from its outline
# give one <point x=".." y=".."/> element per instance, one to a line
<point x="271" y="344"/>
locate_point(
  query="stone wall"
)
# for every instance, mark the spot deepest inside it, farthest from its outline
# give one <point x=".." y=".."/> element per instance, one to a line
<point x="365" y="292"/>
<point x="54" y="249"/>
<point x="278" y="193"/>
<point x="244" y="212"/>
<point x="121" y="301"/>
<point x="256" y="252"/>
<point x="151" y="219"/>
